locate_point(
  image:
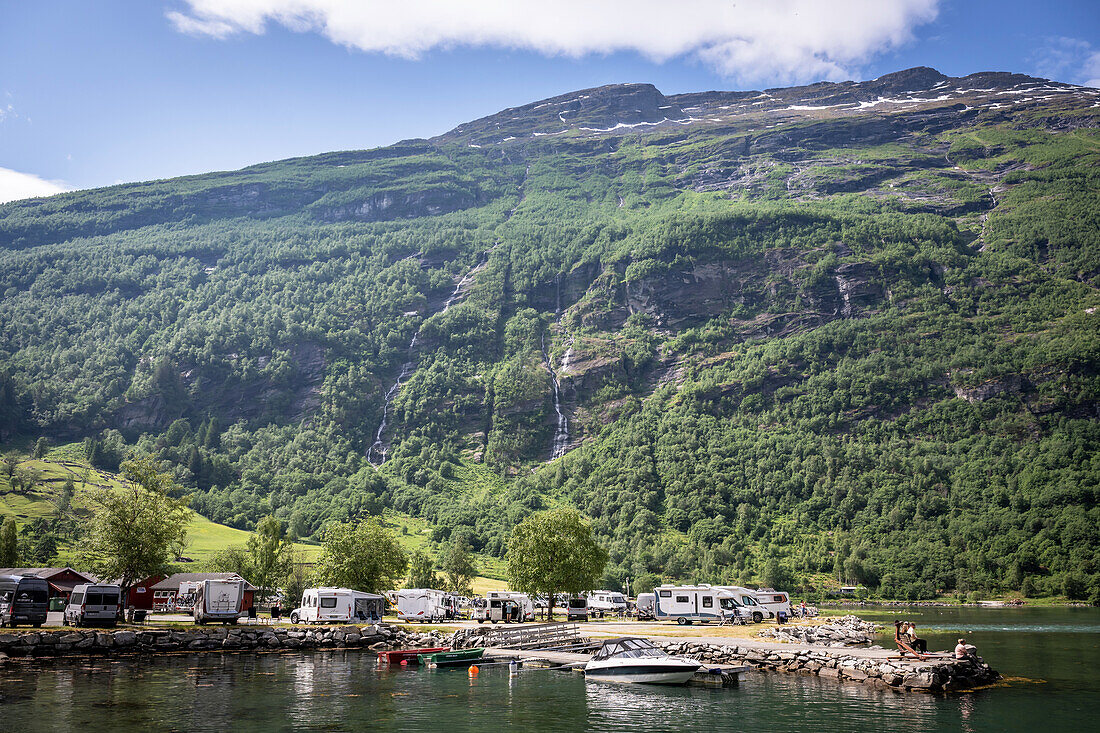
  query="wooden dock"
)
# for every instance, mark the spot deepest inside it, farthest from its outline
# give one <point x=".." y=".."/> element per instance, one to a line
<point x="712" y="675"/>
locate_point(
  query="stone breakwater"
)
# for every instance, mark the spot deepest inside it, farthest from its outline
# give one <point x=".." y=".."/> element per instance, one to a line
<point x="846" y="631"/>
<point x="935" y="675"/>
<point x="377" y="637"/>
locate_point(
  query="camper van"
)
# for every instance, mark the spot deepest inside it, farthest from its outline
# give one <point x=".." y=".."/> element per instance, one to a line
<point x="326" y="605"/>
<point x="689" y="603"/>
<point x="426" y="604"/>
<point x="24" y="599"/>
<point x="218" y="600"/>
<point x="506" y="606"/>
<point x="644" y="606"/>
<point x="760" y="604"/>
<point x="91" y="604"/>
<point x="601" y="602"/>
<point x="576" y="608"/>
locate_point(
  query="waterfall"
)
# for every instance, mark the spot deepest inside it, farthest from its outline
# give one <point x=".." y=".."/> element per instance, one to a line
<point x="406" y="369"/>
<point x="561" y="433"/>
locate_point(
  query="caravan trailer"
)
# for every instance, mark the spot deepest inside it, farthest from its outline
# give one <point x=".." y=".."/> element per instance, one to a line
<point x="602" y="602"/>
<point x="506" y="606"/>
<point x="218" y="600"/>
<point x="689" y="603"/>
<point x="426" y="604"/>
<point x="325" y="605"/>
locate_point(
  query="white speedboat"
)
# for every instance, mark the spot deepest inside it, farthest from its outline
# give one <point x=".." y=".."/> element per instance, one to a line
<point x="631" y="659"/>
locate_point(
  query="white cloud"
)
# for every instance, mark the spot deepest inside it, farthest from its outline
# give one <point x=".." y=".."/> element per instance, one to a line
<point x="781" y="40"/>
<point x="15" y="185"/>
<point x="1068" y="59"/>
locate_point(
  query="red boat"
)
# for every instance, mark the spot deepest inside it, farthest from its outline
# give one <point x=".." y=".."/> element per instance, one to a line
<point x="408" y="655"/>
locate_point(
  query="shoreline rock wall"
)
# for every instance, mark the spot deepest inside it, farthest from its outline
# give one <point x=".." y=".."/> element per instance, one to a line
<point x="847" y="631"/>
<point x="936" y="675"/>
<point x="151" y="640"/>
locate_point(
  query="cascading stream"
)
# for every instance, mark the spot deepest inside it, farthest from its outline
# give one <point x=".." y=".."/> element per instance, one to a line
<point x="378" y="448"/>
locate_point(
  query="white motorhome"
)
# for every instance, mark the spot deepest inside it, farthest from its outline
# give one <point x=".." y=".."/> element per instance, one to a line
<point x="506" y="606"/>
<point x="760" y="604"/>
<point x="426" y="604"/>
<point x="601" y="602"/>
<point x="327" y="605"/>
<point x="774" y="601"/>
<point x="218" y="600"/>
<point x="93" y="604"/>
<point x="689" y="603"/>
<point x="645" y="605"/>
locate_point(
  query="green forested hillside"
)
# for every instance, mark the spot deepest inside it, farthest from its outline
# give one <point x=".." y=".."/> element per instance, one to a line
<point x="846" y="329"/>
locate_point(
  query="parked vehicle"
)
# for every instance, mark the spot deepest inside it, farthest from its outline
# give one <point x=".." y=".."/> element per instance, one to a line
<point x="325" y="605"/>
<point x="638" y="660"/>
<point x="24" y="599"/>
<point x="601" y="602"/>
<point x="643" y="608"/>
<point x="92" y="604"/>
<point x="774" y="602"/>
<point x="218" y="600"/>
<point x="760" y="604"/>
<point x="576" y="609"/>
<point x="689" y="603"/>
<point x="426" y="604"/>
<point x="506" y="606"/>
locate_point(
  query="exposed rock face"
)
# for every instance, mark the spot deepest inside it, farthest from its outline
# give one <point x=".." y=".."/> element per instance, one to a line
<point x="390" y="205"/>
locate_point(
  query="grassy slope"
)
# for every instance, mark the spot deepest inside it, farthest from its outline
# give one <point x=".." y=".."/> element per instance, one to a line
<point x="204" y="536"/>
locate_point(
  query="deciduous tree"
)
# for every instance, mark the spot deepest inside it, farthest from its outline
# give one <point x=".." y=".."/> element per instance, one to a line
<point x="137" y="530"/>
<point x="362" y="557"/>
<point x="422" y="571"/>
<point x="554" y="552"/>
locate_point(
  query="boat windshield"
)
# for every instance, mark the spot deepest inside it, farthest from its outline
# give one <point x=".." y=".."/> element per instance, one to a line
<point x="628" y="648"/>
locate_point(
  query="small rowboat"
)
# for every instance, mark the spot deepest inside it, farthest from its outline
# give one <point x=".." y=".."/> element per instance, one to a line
<point x="411" y="656"/>
<point x="459" y="658"/>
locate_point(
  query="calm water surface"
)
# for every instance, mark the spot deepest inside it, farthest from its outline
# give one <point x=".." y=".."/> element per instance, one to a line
<point x="1052" y="657"/>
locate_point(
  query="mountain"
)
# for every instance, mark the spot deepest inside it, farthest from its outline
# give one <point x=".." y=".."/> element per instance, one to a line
<point x="841" y="330"/>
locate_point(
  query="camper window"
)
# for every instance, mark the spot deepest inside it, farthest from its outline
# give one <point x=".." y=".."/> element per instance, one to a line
<point x="681" y="599"/>
<point x="666" y="594"/>
<point x="329" y="602"/>
<point x="95" y="599"/>
<point x="76" y="599"/>
<point x="708" y="602"/>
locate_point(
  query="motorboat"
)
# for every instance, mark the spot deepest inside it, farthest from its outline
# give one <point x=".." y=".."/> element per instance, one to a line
<point x="632" y="659"/>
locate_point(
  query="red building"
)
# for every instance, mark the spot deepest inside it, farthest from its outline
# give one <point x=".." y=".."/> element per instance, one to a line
<point x="61" y="580"/>
<point x="141" y="593"/>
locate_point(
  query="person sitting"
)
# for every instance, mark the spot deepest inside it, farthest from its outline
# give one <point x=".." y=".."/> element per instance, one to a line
<point x="915" y="641"/>
<point x="964" y="650"/>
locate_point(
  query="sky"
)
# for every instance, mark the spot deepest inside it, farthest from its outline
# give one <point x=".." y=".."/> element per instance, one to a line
<point x="98" y="93"/>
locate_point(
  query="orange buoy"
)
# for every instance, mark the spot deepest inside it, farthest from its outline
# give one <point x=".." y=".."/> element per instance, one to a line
<point x="473" y="670"/>
<point x="404" y="662"/>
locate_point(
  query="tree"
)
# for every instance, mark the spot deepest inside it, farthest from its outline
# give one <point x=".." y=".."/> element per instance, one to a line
<point x="8" y="463"/>
<point x="232" y="559"/>
<point x="137" y="530"/>
<point x="422" y="571"/>
<point x="9" y="544"/>
<point x="269" y="555"/>
<point x="458" y="567"/>
<point x="554" y="552"/>
<point x="362" y="557"/>
<point x="297" y="577"/>
<point x="41" y="447"/>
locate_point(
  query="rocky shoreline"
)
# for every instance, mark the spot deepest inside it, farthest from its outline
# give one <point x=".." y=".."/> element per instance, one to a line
<point x="83" y="642"/>
<point x="936" y="675"/>
<point x="847" y="631"/>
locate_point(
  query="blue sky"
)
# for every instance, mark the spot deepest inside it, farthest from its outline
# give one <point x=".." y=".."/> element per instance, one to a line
<point x="93" y="94"/>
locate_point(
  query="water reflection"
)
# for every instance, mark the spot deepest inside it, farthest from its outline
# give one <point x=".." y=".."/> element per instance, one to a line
<point x="349" y="691"/>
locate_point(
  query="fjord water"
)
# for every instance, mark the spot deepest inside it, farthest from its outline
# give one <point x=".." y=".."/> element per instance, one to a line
<point x="1056" y="651"/>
